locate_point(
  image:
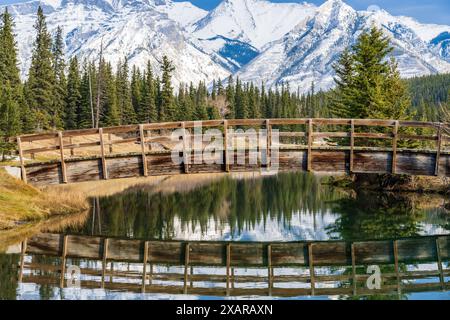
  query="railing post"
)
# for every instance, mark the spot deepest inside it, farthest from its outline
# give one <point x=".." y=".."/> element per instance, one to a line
<point x="22" y="162"/>
<point x="102" y="149"/>
<point x="311" y="268"/>
<point x="144" y="157"/>
<point x="61" y="152"/>
<point x="185" y="149"/>
<point x="23" y="251"/>
<point x="225" y="145"/>
<point x="352" y="144"/>
<point x="439" y="263"/>
<point x="438" y="151"/>
<point x="269" y="143"/>
<point x="104" y="260"/>
<point x="353" y="268"/>
<point x="310" y="142"/>
<point x="186" y="266"/>
<point x="397" y="268"/>
<point x="228" y="264"/>
<point x="144" y="267"/>
<point x="394" y="147"/>
<point x="63" y="261"/>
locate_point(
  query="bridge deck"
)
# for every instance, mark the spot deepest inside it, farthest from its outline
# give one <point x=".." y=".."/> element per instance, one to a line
<point x="322" y="145"/>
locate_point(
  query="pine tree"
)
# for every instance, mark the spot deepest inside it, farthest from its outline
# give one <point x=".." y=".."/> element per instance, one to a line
<point x="341" y="104"/>
<point x="41" y="79"/>
<point x="9" y="119"/>
<point x="167" y="107"/>
<point x="147" y="109"/>
<point x="59" y="89"/>
<point x="123" y="94"/>
<point x="73" y="97"/>
<point x="85" y="112"/>
<point x="231" y="114"/>
<point x="110" y="113"/>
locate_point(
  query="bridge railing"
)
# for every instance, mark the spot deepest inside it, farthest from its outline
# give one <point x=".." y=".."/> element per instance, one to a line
<point x="301" y="134"/>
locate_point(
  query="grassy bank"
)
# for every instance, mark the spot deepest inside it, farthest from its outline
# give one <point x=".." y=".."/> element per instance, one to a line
<point x="21" y="203"/>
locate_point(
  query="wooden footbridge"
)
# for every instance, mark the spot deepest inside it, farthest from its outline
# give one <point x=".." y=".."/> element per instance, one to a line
<point x="322" y="145"/>
<point x="238" y="268"/>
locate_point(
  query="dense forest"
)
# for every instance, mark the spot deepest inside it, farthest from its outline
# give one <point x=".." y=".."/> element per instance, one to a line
<point x="60" y="94"/>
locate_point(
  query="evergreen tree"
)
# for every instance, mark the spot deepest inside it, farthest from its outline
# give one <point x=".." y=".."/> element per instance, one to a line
<point x="41" y="79"/>
<point x="60" y="86"/>
<point x="73" y="96"/>
<point x="123" y="95"/>
<point x="167" y="106"/>
<point x="147" y="110"/>
<point x="9" y="119"/>
<point x="110" y="113"/>
<point x="85" y="111"/>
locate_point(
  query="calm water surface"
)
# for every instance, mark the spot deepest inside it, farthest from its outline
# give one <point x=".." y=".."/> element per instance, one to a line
<point x="286" y="207"/>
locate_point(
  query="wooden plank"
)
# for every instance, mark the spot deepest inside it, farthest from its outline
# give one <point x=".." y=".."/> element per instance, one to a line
<point x="104" y="259"/>
<point x="371" y="135"/>
<point x="269" y="143"/>
<point x="438" y="151"/>
<point x="228" y="263"/>
<point x="439" y="263"/>
<point x="396" y="266"/>
<point x="144" y="266"/>
<point x="311" y="267"/>
<point x="269" y="268"/>
<point x="61" y="153"/>
<point x="354" y="281"/>
<point x="102" y="151"/>
<point x="394" y="147"/>
<point x="310" y="142"/>
<point x="331" y="134"/>
<point x="185" y="150"/>
<point x="144" y="157"/>
<point x="63" y="261"/>
<point x="22" y="161"/>
<point x="186" y="266"/>
<point x="352" y="144"/>
<point x="225" y="145"/>
<point x="23" y="251"/>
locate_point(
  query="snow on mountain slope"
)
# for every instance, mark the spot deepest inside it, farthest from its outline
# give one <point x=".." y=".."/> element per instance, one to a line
<point x="307" y="53"/>
<point x="256" y="22"/>
<point x="139" y="30"/>
<point x="258" y="40"/>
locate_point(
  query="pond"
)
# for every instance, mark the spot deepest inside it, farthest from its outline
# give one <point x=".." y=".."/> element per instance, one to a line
<point x="288" y="207"/>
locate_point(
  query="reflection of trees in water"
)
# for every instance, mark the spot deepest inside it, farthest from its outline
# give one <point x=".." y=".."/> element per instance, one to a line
<point x="8" y="276"/>
<point x="375" y="215"/>
<point x="239" y="203"/>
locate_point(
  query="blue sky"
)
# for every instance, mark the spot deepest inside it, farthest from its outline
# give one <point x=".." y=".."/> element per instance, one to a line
<point x="429" y="11"/>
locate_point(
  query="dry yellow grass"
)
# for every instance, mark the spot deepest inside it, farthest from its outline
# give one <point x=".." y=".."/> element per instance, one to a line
<point x="21" y="203"/>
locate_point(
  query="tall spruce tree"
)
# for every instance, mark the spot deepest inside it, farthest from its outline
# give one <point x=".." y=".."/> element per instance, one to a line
<point x="123" y="94"/>
<point x="41" y="79"/>
<point x="73" y="95"/>
<point x="9" y="119"/>
<point x="147" y="109"/>
<point x="167" y="106"/>
<point x="59" y="89"/>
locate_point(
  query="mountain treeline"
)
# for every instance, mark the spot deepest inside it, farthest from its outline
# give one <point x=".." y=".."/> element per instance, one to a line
<point x="64" y="95"/>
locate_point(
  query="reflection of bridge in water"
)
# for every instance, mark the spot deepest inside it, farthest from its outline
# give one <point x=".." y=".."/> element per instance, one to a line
<point x="238" y="268"/>
<point x="359" y="145"/>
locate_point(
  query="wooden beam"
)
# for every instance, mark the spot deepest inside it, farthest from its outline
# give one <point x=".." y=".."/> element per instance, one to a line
<point x="352" y="144"/>
<point x="63" y="261"/>
<point x="144" y="266"/>
<point x="225" y="145"/>
<point x="23" y="251"/>
<point x="104" y="259"/>
<point x="439" y="263"/>
<point x="61" y="153"/>
<point x="228" y="263"/>
<point x="438" y="151"/>
<point x="22" y="161"/>
<point x="310" y="143"/>
<point x="394" y="147"/>
<point x="186" y="266"/>
<point x="110" y="144"/>
<point x="354" y="281"/>
<point x="311" y="268"/>
<point x="269" y="143"/>
<point x="185" y="150"/>
<point x="102" y="150"/>
<point x="144" y="157"/>
<point x="396" y="266"/>
<point x="269" y="268"/>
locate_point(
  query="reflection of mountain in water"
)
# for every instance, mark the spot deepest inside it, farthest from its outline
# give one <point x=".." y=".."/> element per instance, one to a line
<point x="289" y="206"/>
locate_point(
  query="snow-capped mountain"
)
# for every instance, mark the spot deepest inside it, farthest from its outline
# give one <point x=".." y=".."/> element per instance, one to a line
<point x="306" y="54"/>
<point x="256" y="40"/>
<point x="139" y="30"/>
